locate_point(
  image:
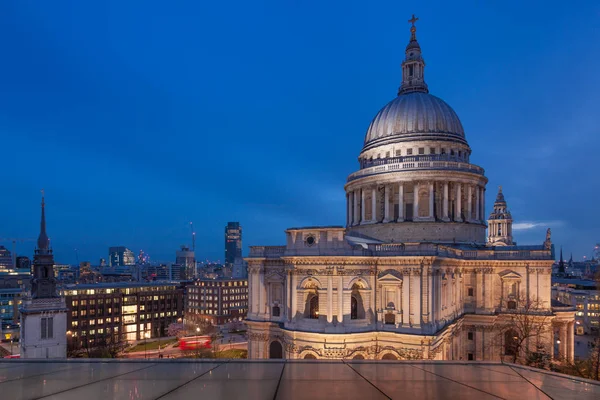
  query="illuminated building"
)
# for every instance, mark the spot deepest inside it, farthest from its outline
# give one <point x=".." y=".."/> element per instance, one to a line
<point x="121" y="311"/>
<point x="6" y="261"/>
<point x="185" y="259"/>
<point x="584" y="295"/>
<point x="219" y="301"/>
<point x="233" y="242"/>
<point x="120" y="256"/>
<point x="413" y="274"/>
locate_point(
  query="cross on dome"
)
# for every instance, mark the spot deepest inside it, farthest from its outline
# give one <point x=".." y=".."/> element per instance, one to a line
<point x="413" y="20"/>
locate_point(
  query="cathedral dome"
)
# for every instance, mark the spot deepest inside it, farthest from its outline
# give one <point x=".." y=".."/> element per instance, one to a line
<point x="414" y="115"/>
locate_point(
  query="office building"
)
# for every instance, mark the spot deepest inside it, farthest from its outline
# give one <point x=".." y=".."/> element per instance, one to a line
<point x="6" y="261"/>
<point x="120" y="256"/>
<point x="121" y="311"/>
<point x="185" y="259"/>
<point x="233" y="242"/>
<point x="584" y="295"/>
<point x="219" y="301"/>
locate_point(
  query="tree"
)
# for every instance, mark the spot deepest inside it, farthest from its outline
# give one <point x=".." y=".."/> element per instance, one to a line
<point x="175" y="329"/>
<point x="524" y="333"/>
<point x="108" y="346"/>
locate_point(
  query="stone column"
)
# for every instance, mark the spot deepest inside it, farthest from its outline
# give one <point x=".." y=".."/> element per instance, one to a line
<point x="255" y="292"/>
<point x="477" y="203"/>
<point x="329" y="299"/>
<point x="294" y="294"/>
<point x="354" y="208"/>
<point x="415" y="286"/>
<point x="340" y="289"/>
<point x="374" y="204"/>
<point x="562" y="347"/>
<point x="400" y="202"/>
<point x="415" y="201"/>
<point x="482" y="203"/>
<point x="469" y="203"/>
<point x="386" y="204"/>
<point x="287" y="295"/>
<point x="570" y="341"/>
<point x="405" y="299"/>
<point x="362" y="206"/>
<point x="458" y="204"/>
<point x="431" y="200"/>
<point x="263" y="293"/>
<point x="348" y="210"/>
<point x="445" y="203"/>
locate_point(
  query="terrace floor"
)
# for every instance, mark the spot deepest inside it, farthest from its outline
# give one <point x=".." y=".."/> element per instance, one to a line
<point x="279" y="379"/>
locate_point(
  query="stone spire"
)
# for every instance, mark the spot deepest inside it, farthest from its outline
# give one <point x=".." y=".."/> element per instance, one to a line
<point x="413" y="66"/>
<point x="43" y="242"/>
<point x="500" y="223"/>
<point x="561" y="263"/>
<point x="43" y="284"/>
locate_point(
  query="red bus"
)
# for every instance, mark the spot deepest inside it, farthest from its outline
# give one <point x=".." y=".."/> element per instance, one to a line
<point x="194" y="342"/>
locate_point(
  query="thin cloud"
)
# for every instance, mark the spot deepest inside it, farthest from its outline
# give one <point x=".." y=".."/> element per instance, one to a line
<point x="523" y="226"/>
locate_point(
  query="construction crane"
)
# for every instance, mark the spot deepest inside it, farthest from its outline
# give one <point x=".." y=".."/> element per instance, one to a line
<point x="14" y="246"/>
<point x="193" y="236"/>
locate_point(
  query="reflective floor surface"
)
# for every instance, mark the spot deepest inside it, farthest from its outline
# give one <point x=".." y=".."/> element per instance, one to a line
<point x="245" y="379"/>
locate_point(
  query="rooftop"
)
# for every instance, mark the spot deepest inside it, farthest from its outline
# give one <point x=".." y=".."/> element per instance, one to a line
<point x="275" y="379"/>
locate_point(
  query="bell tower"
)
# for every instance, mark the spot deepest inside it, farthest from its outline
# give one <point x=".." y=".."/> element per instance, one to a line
<point x="500" y="223"/>
<point x="44" y="313"/>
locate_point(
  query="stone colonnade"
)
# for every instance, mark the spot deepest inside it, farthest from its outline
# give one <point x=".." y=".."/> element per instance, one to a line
<point x="431" y="201"/>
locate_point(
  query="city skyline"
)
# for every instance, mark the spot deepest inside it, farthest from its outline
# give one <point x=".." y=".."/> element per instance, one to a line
<point x="105" y="117"/>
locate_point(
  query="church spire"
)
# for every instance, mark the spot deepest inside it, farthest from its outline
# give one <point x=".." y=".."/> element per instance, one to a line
<point x="413" y="66"/>
<point x="43" y="242"/>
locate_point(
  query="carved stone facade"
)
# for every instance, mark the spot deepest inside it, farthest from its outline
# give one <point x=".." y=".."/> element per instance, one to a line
<point x="410" y="275"/>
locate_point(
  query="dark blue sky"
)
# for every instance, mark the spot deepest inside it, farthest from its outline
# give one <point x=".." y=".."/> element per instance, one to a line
<point x="138" y="117"/>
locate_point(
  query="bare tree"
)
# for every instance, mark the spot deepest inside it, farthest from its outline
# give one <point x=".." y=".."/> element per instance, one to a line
<point x="524" y="332"/>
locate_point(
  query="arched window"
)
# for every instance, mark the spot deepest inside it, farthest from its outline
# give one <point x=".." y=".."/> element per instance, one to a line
<point x="275" y="350"/>
<point x="389" y="356"/>
<point x="276" y="311"/>
<point x="313" y="306"/>
<point x="511" y="343"/>
<point x="512" y="305"/>
<point x="357" y="309"/>
<point x="358" y="357"/>
<point x="310" y="356"/>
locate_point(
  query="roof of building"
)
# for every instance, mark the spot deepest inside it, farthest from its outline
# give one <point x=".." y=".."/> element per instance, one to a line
<point x="124" y="285"/>
<point x="277" y="379"/>
<point x="578" y="283"/>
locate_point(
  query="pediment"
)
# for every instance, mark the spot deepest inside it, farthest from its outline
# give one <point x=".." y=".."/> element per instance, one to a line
<point x="389" y="278"/>
<point x="509" y="274"/>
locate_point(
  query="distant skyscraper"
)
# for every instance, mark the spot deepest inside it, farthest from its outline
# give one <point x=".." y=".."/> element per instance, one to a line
<point x="23" y="262"/>
<point x="187" y="260"/>
<point x="120" y="256"/>
<point x="5" y="258"/>
<point x="233" y="242"/>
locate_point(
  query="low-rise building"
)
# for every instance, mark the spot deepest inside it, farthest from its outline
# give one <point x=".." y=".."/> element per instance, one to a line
<point x="584" y="295"/>
<point x="121" y="311"/>
<point x="10" y="300"/>
<point x="219" y="301"/>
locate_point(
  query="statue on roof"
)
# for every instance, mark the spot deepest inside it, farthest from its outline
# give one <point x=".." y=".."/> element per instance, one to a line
<point x="548" y="241"/>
